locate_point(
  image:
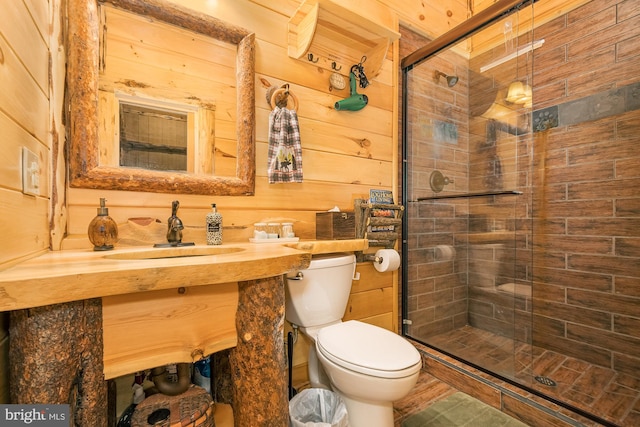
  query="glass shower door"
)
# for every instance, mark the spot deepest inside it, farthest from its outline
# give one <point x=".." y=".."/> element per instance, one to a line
<point x="467" y="145"/>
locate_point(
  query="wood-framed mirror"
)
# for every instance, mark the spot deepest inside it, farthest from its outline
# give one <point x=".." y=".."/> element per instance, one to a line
<point x="91" y="150"/>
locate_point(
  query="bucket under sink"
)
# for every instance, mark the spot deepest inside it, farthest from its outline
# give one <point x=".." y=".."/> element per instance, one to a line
<point x="173" y="252"/>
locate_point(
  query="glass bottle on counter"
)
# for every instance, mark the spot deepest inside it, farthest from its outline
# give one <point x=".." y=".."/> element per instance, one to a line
<point x="260" y="230"/>
<point x="287" y="230"/>
<point x="214" y="226"/>
<point x="273" y="230"/>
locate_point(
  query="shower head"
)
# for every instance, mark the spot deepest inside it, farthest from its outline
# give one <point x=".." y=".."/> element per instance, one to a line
<point x="451" y="80"/>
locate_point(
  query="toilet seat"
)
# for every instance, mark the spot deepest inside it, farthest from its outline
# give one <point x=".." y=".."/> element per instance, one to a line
<point x="368" y="350"/>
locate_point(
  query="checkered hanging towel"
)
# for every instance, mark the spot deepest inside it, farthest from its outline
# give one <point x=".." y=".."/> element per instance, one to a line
<point x="285" y="150"/>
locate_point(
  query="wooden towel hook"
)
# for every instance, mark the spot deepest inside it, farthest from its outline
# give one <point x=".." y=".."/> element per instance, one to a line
<point x="281" y="96"/>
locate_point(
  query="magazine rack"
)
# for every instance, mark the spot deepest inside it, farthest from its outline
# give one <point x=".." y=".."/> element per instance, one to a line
<point x="380" y="231"/>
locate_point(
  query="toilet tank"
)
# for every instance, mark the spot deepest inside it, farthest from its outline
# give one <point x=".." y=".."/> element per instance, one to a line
<point x="319" y="295"/>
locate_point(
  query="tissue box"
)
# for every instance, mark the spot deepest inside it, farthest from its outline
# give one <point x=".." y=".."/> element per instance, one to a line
<point x="335" y="225"/>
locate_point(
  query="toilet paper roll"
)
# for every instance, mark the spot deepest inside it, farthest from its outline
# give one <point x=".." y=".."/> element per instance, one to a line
<point x="390" y="260"/>
<point x="445" y="253"/>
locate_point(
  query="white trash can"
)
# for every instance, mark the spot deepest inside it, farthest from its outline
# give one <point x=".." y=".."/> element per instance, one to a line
<point x="317" y="407"/>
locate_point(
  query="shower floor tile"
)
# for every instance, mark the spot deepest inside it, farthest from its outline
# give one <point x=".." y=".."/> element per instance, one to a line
<point x="612" y="396"/>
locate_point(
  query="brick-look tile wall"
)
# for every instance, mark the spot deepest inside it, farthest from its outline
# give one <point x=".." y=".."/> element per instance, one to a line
<point x="438" y="130"/>
<point x="447" y="293"/>
<point x="579" y="171"/>
<point x="586" y="240"/>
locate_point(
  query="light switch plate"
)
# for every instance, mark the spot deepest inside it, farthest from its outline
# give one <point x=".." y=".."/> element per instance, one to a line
<point x="30" y="172"/>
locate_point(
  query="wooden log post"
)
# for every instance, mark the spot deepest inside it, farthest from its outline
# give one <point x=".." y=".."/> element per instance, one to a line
<point x="56" y="358"/>
<point x="258" y="366"/>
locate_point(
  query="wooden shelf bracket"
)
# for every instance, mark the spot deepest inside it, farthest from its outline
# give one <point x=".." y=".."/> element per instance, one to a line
<point x="334" y="35"/>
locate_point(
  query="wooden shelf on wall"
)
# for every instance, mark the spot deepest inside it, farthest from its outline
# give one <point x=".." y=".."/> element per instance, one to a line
<point x="338" y="35"/>
<point x="366" y="219"/>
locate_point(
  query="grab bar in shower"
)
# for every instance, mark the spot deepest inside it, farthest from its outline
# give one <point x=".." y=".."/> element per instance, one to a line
<point x="468" y="195"/>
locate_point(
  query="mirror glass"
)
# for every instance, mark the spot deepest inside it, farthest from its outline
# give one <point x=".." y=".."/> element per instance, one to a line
<point x="161" y="99"/>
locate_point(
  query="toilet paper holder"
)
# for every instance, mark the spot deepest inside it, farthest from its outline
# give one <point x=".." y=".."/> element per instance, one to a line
<point x="384" y="260"/>
<point x="373" y="258"/>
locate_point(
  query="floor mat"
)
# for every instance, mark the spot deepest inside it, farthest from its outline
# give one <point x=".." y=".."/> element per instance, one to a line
<point x="458" y="410"/>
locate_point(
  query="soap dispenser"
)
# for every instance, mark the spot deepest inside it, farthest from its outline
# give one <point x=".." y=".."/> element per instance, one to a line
<point x="214" y="226"/>
<point x="103" y="230"/>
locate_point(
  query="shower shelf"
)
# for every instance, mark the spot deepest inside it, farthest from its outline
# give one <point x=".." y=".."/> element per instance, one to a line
<point x="469" y="195"/>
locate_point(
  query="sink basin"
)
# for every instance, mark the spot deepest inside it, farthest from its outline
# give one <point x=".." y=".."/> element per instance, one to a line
<point x="187" y="251"/>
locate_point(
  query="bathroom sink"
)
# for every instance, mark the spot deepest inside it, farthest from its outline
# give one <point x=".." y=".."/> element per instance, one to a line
<point x="177" y="252"/>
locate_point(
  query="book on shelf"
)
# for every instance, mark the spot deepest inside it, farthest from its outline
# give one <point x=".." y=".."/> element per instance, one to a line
<point x="381" y="197"/>
<point x="374" y="228"/>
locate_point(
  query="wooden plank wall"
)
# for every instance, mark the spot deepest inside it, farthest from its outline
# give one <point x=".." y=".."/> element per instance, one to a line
<point x="24" y="122"/>
<point x="344" y="153"/>
<point x="331" y="140"/>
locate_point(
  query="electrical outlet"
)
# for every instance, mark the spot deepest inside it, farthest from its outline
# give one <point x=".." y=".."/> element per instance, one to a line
<point x="30" y="172"/>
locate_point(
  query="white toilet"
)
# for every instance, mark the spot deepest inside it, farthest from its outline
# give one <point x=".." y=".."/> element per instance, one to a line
<point x="368" y="366"/>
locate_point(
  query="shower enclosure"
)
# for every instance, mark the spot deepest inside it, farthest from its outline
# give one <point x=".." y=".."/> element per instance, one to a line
<point x="521" y="187"/>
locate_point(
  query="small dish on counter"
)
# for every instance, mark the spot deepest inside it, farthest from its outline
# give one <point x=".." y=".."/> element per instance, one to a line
<point x="280" y="240"/>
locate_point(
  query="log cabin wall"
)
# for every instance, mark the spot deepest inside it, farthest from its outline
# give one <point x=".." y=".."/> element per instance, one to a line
<point x="25" y="121"/>
<point x="30" y="97"/>
<point x="345" y="153"/>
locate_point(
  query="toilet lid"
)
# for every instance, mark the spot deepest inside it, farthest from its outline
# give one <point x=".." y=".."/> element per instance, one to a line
<point x="368" y="349"/>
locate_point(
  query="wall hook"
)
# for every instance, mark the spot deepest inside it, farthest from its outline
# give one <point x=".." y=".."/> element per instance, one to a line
<point x="335" y="67"/>
<point x="310" y="58"/>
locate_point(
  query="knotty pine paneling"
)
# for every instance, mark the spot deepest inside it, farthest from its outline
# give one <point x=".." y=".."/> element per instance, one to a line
<point x="24" y="122"/>
<point x="297" y="203"/>
<point x="370" y="278"/>
<point x="14" y="138"/>
<point x="30" y="41"/>
<point x="25" y="230"/>
<point x="369" y="303"/>
<point x="344" y="153"/>
<point x="327" y="137"/>
<point x="26" y="103"/>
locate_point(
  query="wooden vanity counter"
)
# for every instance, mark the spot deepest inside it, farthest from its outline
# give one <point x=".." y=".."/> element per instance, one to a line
<point x="96" y="315"/>
<point x="74" y="275"/>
